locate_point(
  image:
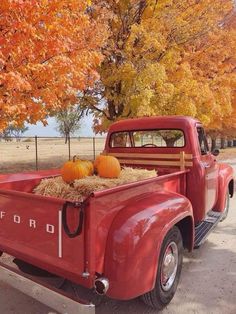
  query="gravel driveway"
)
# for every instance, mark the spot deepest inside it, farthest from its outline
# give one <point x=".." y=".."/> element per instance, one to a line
<point x="207" y="285"/>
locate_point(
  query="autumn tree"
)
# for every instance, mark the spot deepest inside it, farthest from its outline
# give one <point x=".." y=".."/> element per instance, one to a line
<point x="213" y="61"/>
<point x="151" y="61"/>
<point x="68" y="121"/>
<point x="49" y="51"/>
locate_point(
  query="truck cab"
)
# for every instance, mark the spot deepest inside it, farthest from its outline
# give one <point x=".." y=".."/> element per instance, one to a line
<point x="208" y="182"/>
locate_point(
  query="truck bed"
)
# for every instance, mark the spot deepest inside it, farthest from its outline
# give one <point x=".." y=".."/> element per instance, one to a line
<point x="39" y="229"/>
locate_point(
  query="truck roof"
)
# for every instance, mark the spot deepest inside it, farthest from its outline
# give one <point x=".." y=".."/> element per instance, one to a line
<point x="154" y="122"/>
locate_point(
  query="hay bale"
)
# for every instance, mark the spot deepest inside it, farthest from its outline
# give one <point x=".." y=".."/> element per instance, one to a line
<point x="82" y="188"/>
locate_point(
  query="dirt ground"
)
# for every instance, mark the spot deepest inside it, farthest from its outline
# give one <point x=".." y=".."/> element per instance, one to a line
<point x="227" y="154"/>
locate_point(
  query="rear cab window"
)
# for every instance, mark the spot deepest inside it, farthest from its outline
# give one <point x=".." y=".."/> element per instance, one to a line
<point x="148" y="138"/>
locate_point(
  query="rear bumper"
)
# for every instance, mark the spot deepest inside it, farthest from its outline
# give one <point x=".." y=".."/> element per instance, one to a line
<point x="45" y="294"/>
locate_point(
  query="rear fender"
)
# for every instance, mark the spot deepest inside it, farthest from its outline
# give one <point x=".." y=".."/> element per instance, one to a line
<point x="135" y="239"/>
<point x="226" y="182"/>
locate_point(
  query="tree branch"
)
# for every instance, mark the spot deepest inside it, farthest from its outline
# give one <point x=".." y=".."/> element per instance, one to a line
<point x="101" y="111"/>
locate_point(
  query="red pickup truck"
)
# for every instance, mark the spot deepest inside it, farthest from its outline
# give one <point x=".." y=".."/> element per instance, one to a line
<point x="125" y="241"/>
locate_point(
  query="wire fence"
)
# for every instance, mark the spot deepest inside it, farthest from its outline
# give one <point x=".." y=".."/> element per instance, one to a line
<point x="35" y="153"/>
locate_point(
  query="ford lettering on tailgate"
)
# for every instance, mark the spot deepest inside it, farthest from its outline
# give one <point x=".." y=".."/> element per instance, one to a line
<point x="31" y="228"/>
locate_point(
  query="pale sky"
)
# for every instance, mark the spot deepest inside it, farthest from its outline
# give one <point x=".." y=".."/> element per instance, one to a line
<point x="50" y="129"/>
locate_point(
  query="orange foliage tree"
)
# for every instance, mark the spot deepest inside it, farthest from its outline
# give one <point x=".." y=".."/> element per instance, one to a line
<point x="213" y="61"/>
<point x="50" y="50"/>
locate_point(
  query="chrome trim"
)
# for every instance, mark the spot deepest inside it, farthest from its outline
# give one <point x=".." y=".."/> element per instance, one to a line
<point x="51" y="297"/>
<point x="85" y="274"/>
<point x="101" y="285"/>
<point x="169" y="266"/>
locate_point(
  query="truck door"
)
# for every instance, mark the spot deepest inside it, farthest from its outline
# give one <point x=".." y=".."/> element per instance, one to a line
<point x="211" y="170"/>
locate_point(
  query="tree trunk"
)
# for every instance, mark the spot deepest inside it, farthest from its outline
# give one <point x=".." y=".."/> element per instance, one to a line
<point x="213" y="144"/>
<point x="66" y="138"/>
<point x="111" y="109"/>
<point x="222" y="143"/>
<point x="115" y="111"/>
<point x="170" y="141"/>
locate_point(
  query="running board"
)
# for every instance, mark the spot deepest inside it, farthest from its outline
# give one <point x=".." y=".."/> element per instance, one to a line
<point x="205" y="227"/>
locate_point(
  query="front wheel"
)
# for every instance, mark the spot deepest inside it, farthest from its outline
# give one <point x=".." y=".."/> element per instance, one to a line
<point x="168" y="272"/>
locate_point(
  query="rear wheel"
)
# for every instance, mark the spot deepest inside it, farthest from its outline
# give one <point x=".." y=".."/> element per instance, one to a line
<point x="226" y="208"/>
<point x="168" y="272"/>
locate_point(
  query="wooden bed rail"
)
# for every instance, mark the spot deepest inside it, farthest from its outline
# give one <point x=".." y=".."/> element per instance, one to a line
<point x="181" y="160"/>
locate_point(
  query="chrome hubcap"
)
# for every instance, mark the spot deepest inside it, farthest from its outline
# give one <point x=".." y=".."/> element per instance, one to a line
<point x="169" y="266"/>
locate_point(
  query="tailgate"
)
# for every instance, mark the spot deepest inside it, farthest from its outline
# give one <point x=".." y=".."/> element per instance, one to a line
<point x="44" y="231"/>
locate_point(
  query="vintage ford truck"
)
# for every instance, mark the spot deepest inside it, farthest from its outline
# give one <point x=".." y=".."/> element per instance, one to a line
<point x="125" y="241"/>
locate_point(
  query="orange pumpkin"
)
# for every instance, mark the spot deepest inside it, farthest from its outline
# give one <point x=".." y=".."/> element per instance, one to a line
<point x="89" y="166"/>
<point x="87" y="163"/>
<point x="108" y="167"/>
<point x="73" y="170"/>
<point x="97" y="161"/>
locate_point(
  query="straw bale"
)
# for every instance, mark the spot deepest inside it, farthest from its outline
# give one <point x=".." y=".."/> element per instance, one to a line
<point x="82" y="188"/>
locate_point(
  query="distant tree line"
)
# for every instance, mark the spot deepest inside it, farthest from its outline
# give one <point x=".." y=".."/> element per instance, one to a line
<point x="13" y="132"/>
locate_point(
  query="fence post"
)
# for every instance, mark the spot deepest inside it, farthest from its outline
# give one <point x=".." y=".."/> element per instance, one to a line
<point x="36" y="152"/>
<point x="94" y="148"/>
<point x="69" y="145"/>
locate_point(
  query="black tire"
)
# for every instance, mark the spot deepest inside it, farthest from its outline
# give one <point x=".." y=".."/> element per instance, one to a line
<point x="158" y="298"/>
<point x="226" y="209"/>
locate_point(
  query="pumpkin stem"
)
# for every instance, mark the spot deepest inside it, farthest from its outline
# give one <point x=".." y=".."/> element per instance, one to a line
<point x="74" y="158"/>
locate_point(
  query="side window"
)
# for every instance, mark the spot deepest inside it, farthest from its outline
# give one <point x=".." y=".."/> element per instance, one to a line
<point x="202" y="141"/>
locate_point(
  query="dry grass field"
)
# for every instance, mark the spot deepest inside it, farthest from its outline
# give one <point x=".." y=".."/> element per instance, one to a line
<point x="52" y="152"/>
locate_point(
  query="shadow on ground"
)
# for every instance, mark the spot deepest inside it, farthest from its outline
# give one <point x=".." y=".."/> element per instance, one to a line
<point x="206" y="276"/>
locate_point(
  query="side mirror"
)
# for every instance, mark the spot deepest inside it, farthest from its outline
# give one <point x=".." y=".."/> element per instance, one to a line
<point x="215" y="152"/>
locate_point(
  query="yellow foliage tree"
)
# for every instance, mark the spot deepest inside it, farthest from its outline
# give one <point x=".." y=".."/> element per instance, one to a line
<point x="155" y="61"/>
<point x="49" y="51"/>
